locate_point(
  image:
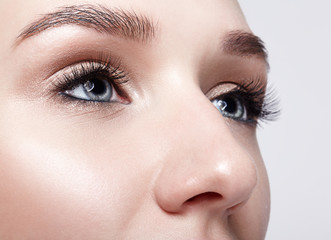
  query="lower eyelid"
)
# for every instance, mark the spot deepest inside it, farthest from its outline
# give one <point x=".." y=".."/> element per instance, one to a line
<point x="66" y="104"/>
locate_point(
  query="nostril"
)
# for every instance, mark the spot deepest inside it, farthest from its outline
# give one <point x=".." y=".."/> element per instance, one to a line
<point x="207" y="196"/>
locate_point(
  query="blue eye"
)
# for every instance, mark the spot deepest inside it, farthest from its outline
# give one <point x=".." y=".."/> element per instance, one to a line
<point x="247" y="103"/>
<point x="231" y="107"/>
<point x="93" y="81"/>
<point x="96" y="89"/>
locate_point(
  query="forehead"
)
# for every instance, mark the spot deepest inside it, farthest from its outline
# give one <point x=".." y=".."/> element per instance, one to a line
<point x="225" y="7"/>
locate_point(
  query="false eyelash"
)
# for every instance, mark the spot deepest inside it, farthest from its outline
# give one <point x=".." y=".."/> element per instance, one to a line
<point x="261" y="103"/>
<point x="80" y="73"/>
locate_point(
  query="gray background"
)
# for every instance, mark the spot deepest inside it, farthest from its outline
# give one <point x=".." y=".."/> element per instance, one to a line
<point x="297" y="147"/>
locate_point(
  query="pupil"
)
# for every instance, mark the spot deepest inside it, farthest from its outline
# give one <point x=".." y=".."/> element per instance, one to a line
<point x="99" y="87"/>
<point x="231" y="105"/>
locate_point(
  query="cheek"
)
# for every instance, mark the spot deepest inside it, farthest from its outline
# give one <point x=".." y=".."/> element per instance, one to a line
<point x="64" y="185"/>
<point x="255" y="213"/>
<point x="46" y="193"/>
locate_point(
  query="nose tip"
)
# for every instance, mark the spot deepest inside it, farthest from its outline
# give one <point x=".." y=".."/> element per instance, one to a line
<point x="221" y="187"/>
<point x="206" y="168"/>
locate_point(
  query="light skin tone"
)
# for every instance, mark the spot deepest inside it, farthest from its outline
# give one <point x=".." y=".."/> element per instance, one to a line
<point x="161" y="158"/>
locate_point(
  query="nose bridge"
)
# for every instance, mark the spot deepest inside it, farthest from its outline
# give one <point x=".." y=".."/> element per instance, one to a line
<point x="204" y="159"/>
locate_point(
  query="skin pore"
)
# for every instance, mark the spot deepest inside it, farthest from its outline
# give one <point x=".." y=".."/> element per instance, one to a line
<point x="156" y="158"/>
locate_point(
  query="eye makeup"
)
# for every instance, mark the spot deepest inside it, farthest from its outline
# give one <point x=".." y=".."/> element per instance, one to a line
<point x="245" y="101"/>
<point x="248" y="99"/>
<point x="93" y="76"/>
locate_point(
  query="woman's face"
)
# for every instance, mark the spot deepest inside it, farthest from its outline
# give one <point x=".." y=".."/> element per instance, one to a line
<point x="130" y="119"/>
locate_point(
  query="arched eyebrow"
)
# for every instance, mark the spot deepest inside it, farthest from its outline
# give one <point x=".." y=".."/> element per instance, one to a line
<point x="133" y="26"/>
<point x="244" y="44"/>
<point x="126" y="24"/>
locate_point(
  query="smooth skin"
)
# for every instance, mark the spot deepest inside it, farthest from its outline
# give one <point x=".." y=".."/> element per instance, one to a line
<point x="167" y="165"/>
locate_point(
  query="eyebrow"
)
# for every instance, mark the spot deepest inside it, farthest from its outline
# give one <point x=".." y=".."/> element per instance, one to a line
<point x="130" y="25"/>
<point x="244" y="44"/>
<point x="126" y="24"/>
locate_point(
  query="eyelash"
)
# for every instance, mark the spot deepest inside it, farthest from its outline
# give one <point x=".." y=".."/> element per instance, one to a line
<point x="262" y="105"/>
<point x="80" y="73"/>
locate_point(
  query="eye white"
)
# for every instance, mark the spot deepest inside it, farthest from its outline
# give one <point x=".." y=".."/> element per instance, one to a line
<point x="78" y="92"/>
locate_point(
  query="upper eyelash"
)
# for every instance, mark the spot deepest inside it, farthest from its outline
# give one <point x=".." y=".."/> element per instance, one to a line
<point x="78" y="73"/>
<point x="261" y="103"/>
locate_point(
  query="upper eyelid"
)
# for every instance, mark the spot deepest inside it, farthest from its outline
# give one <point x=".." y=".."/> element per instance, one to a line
<point x="69" y="67"/>
<point x="248" y="84"/>
<point x="105" y="61"/>
<point x="220" y="89"/>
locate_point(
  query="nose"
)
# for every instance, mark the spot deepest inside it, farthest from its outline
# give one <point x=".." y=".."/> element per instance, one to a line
<point x="205" y="167"/>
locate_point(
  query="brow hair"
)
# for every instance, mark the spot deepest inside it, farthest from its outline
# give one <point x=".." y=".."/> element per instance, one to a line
<point x="130" y="25"/>
<point x="244" y="44"/>
<point x="126" y="24"/>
